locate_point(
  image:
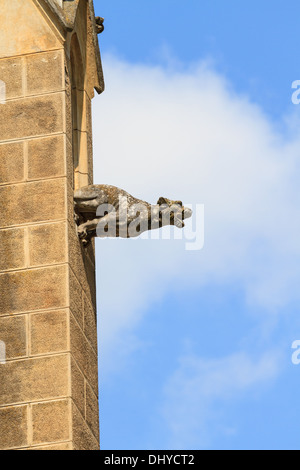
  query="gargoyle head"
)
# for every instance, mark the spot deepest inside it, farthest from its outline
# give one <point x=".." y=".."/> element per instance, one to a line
<point x="175" y="210"/>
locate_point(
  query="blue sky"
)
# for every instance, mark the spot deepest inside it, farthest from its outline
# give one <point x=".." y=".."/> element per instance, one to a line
<point x="195" y="346"/>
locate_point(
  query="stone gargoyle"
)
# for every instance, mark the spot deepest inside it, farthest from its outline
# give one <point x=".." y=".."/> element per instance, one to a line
<point x="107" y="211"/>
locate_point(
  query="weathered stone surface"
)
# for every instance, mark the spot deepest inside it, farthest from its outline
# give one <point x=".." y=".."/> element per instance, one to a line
<point x="12" y="249"/>
<point x="70" y="208"/>
<point x="24" y="30"/>
<point x="35" y="379"/>
<point x="63" y="446"/>
<point x="92" y="407"/>
<point x="68" y="114"/>
<point x="83" y="438"/>
<point x="49" y="332"/>
<point x="51" y="422"/>
<point x="84" y="355"/>
<point x="52" y="364"/>
<point x="127" y="216"/>
<point x="28" y="117"/>
<point x="13" y="423"/>
<point x="35" y="289"/>
<point x="13" y="332"/>
<point x="47" y="244"/>
<point x="90" y="158"/>
<point x="12" y="162"/>
<point x="32" y="202"/>
<point x="76" y="302"/>
<point x="90" y="322"/>
<point x="81" y="100"/>
<point x="78" y="387"/>
<point x="44" y="72"/>
<point x="89" y="141"/>
<point x="83" y="160"/>
<point x="89" y="283"/>
<point x="46" y="157"/>
<point x="11" y="74"/>
<point x="82" y="263"/>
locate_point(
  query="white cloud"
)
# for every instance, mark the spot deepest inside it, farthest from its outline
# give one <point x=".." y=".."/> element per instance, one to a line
<point x="197" y="391"/>
<point x="186" y="135"/>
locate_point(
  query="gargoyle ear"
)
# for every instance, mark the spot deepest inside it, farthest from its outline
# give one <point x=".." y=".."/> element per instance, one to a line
<point x="161" y="201"/>
<point x="179" y="203"/>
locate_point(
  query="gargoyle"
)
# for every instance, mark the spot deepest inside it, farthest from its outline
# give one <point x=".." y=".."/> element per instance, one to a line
<point x="107" y="211"/>
<point x="99" y="24"/>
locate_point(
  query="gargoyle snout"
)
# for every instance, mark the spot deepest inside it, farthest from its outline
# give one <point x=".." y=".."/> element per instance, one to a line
<point x="187" y="213"/>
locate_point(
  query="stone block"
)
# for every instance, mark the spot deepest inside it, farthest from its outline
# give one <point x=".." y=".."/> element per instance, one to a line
<point x="78" y="387"/>
<point x="46" y="157"/>
<point x="13" y="332"/>
<point x="76" y="301"/>
<point x="83" y="439"/>
<point x="35" y="289"/>
<point x="28" y="117"/>
<point x="34" y="379"/>
<point x="49" y="332"/>
<point x="12" y="249"/>
<point x="44" y="72"/>
<point x="12" y="162"/>
<point x="90" y="322"/>
<point x="13" y="422"/>
<point x="68" y="113"/>
<point x="48" y="244"/>
<point x="84" y="355"/>
<point x="84" y="110"/>
<point x="32" y="202"/>
<point x="70" y="165"/>
<point x="51" y="422"/>
<point x="62" y="446"/>
<point x="92" y="411"/>
<point x="89" y="284"/>
<point x="11" y="74"/>
<point x="90" y="152"/>
<point x="70" y="208"/>
<point x="24" y="30"/>
<point x="81" y="261"/>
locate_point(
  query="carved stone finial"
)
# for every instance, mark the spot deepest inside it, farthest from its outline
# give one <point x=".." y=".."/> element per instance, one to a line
<point x="99" y="24"/>
<point x="106" y="211"/>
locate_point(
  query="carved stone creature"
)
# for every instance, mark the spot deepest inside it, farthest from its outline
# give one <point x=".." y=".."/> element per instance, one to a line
<point x="99" y="24"/>
<point x="107" y="211"/>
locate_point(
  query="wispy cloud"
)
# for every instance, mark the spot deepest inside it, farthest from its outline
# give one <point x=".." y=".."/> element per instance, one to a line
<point x="197" y="392"/>
<point x="187" y="135"/>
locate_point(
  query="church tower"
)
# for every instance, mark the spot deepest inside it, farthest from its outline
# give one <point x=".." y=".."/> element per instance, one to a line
<point x="49" y="68"/>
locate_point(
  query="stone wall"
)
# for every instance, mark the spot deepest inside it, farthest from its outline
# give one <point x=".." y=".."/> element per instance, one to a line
<point x="49" y="383"/>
